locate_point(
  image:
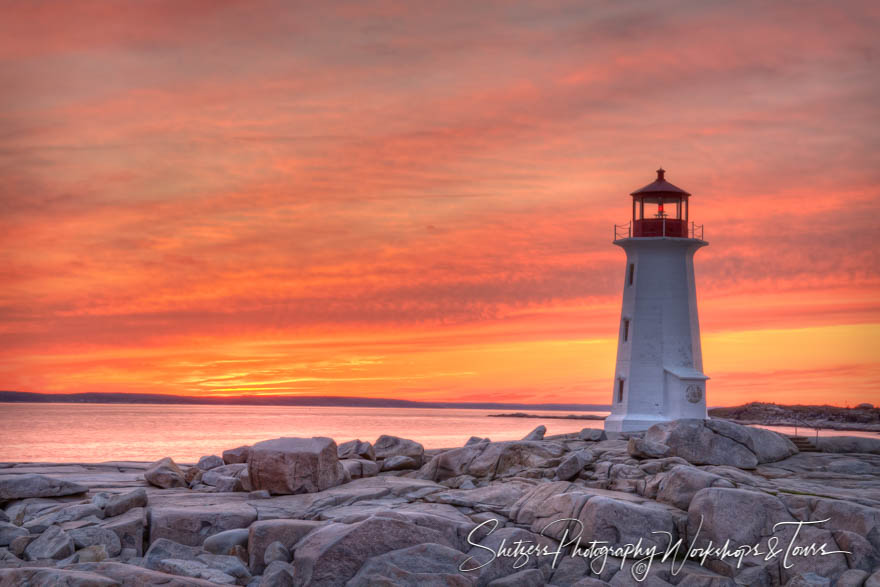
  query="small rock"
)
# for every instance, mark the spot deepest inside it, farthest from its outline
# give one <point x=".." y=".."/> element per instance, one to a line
<point x="162" y="549"/>
<point x="276" y="552"/>
<point x="244" y="478"/>
<point x="228" y="564"/>
<point x="536" y="434"/>
<point x="360" y="468"/>
<point x="356" y="449"/>
<point x="236" y="455"/>
<point x="193" y="476"/>
<point x="195" y="569"/>
<point x="94" y="536"/>
<point x="129" y="527"/>
<point x="239" y="552"/>
<point x="32" y="485"/>
<point x="769" y="446"/>
<point x="679" y="486"/>
<point x="399" y="463"/>
<point x="165" y="473"/>
<point x="9" y="532"/>
<point x="54" y="543"/>
<point x="9" y="560"/>
<point x="209" y="462"/>
<point x="69" y="513"/>
<point x="119" y="504"/>
<point x="265" y="532"/>
<point x="641" y="448"/>
<point x="476" y="440"/>
<point x="91" y="554"/>
<point x="223" y="483"/>
<point x="126" y="554"/>
<point x="224" y="542"/>
<point x="592" y="435"/>
<point x="574" y="464"/>
<point x="278" y="574"/>
<point x="101" y="499"/>
<point x="387" y="446"/>
<point x="259" y="494"/>
<point x="19" y="544"/>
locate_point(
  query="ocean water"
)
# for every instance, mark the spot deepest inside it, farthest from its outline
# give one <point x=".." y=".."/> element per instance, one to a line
<point x="143" y="432"/>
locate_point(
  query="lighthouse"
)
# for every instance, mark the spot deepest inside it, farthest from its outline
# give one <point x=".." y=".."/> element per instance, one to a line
<point x="659" y="371"/>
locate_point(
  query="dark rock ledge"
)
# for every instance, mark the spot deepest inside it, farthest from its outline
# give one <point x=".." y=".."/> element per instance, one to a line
<point x="306" y="511"/>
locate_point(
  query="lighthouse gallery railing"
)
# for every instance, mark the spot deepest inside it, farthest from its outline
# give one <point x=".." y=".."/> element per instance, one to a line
<point x="622" y="231"/>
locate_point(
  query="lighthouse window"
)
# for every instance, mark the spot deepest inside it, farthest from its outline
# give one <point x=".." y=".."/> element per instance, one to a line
<point x="619" y="390"/>
<point x="625" y="329"/>
<point x="631" y="274"/>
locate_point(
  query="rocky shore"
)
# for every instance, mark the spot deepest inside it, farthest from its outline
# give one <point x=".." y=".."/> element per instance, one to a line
<point x="864" y="417"/>
<point x="306" y="511"/>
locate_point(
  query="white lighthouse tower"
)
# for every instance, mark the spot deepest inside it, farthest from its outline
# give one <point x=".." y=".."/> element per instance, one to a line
<point x="659" y="372"/>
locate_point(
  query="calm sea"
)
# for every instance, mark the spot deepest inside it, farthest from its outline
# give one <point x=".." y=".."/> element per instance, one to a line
<point x="144" y="432"/>
<point x="103" y="432"/>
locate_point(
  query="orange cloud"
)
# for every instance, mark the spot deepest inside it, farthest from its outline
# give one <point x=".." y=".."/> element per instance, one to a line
<point x="381" y="200"/>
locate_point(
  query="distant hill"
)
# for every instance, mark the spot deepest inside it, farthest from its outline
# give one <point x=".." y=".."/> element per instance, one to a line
<point x="275" y="400"/>
<point x="863" y="417"/>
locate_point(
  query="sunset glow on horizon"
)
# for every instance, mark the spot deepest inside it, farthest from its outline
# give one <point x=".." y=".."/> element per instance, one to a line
<point x="414" y="202"/>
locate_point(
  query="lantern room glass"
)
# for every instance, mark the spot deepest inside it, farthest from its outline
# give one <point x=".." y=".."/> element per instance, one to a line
<point x="671" y="207"/>
<point x="663" y="215"/>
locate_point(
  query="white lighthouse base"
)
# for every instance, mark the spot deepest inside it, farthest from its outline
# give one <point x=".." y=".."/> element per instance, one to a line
<point x="617" y="423"/>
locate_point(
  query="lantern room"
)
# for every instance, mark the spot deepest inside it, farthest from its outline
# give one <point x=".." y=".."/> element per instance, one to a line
<point x="660" y="209"/>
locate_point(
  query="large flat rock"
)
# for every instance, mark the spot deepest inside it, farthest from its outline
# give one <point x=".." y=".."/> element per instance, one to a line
<point x="44" y="576"/>
<point x="191" y="524"/>
<point x="20" y="486"/>
<point x="139" y="576"/>
<point x="333" y="554"/>
<point x="309" y="506"/>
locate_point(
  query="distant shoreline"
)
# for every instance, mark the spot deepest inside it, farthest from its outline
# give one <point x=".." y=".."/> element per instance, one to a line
<point x="568" y="417"/>
<point x="294" y="401"/>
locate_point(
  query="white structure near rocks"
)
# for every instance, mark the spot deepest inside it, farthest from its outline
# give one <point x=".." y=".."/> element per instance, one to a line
<point x="659" y="371"/>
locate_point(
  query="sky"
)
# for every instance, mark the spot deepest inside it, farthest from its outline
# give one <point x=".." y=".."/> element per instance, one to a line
<point x="417" y="200"/>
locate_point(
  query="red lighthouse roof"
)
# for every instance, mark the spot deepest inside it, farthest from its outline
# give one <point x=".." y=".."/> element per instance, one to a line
<point x="660" y="186"/>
